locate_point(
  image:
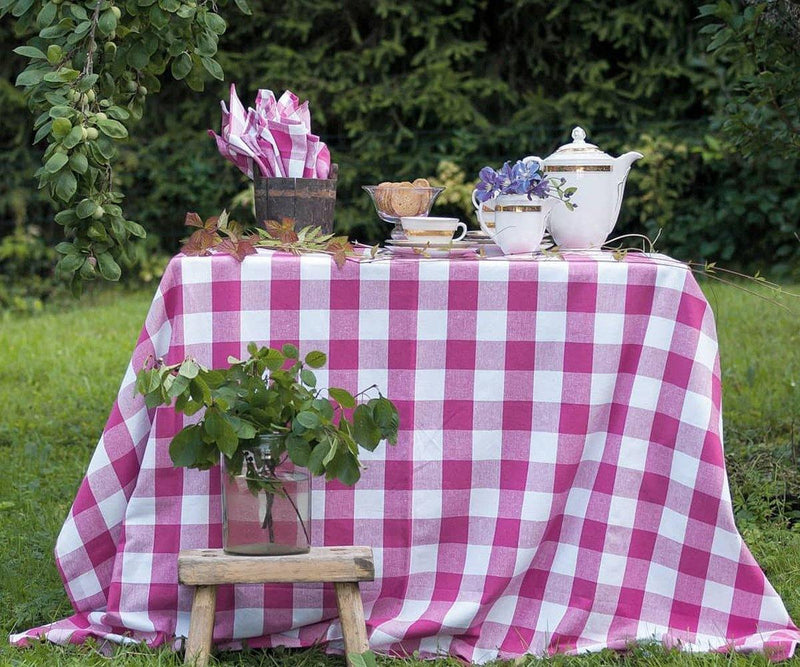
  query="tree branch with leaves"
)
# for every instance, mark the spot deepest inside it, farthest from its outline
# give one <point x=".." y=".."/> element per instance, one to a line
<point x="91" y="66"/>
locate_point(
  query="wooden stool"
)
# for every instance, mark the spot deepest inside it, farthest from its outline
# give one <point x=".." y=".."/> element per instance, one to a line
<point x="207" y="568"/>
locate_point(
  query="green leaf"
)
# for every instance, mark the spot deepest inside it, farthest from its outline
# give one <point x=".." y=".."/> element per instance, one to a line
<point x="107" y="22"/>
<point x="170" y="6"/>
<point x="118" y="112"/>
<point x="29" y="77"/>
<point x="200" y="390"/>
<point x="61" y="127"/>
<point x="308" y="378"/>
<point x="21" y="7"/>
<point x="85" y="209"/>
<point x="186" y="446"/>
<point x="189" y="369"/>
<point x="220" y="431"/>
<point x="158" y="17"/>
<point x="109" y="268"/>
<point x="56" y="161"/>
<point x="215" y="23"/>
<point x="181" y="66"/>
<point x="206" y="44"/>
<point x="298" y="448"/>
<point x="213" y="68"/>
<point x="348" y="471"/>
<point x="135" y="228"/>
<point x="74" y="137"/>
<point x="179" y="385"/>
<point x="112" y="128"/>
<point x="137" y="57"/>
<point x="78" y="163"/>
<point x="316" y="359"/>
<point x="54" y="54"/>
<point x="342" y="397"/>
<point x="318" y="453"/>
<point x="308" y="419"/>
<point x="43" y="131"/>
<point x="46" y="15"/>
<point x="365" y="431"/>
<point x="274" y="359"/>
<point x="66" y="185"/>
<point x="62" y="75"/>
<point x="30" y="52"/>
<point x="290" y="351"/>
<point x="243" y="7"/>
<point x="71" y="263"/>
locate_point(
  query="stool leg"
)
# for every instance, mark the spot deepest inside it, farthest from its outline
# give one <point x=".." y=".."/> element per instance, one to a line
<point x="351" y="616"/>
<point x="201" y="626"/>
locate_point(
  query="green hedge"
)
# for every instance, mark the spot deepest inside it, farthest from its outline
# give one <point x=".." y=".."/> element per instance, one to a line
<point x="396" y="88"/>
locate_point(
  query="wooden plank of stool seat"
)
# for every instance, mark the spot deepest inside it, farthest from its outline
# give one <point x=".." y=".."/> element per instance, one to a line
<point x="351" y="616"/>
<point x="206" y="567"/>
<point x="201" y="626"/>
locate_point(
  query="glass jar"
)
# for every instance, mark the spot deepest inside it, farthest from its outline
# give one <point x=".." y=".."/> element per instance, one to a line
<point x="266" y="502"/>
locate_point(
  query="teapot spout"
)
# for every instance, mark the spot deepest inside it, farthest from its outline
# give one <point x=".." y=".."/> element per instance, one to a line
<point x="622" y="166"/>
<point x="625" y="161"/>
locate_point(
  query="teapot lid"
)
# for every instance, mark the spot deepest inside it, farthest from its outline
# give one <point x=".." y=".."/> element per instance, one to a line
<point x="580" y="149"/>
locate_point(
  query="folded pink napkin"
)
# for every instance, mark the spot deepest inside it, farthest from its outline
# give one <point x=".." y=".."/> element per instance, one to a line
<point x="274" y="139"/>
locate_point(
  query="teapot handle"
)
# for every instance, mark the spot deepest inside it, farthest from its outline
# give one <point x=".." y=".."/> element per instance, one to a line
<point x="536" y="159"/>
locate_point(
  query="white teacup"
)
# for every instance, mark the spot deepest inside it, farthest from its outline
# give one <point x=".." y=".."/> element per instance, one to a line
<point x="519" y="222"/>
<point x="423" y="229"/>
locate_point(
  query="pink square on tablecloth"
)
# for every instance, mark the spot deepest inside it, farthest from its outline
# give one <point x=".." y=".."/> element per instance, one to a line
<point x="517" y="415"/>
<point x="578" y="357"/>
<point x="344" y="295"/>
<point x="574" y="418"/>
<point x="461" y="354"/>
<point x="520" y="355"/>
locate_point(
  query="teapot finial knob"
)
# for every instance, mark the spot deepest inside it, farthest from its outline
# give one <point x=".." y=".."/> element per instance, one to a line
<point x="578" y="134"/>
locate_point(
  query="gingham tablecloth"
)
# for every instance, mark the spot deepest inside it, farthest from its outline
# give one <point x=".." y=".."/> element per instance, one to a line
<point x="558" y="484"/>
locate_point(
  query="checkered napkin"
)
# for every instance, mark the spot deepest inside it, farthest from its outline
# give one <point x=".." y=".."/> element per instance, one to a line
<point x="272" y="140"/>
<point x="558" y="484"/>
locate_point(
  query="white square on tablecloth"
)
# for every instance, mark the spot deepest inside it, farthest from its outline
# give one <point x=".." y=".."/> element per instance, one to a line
<point x="429" y="384"/>
<point x="550" y="616"/>
<point x="706" y="352"/>
<point x="256" y="268"/>
<point x="161" y="338"/>
<point x="536" y="506"/>
<point x="645" y="393"/>
<point x="194" y="510"/>
<point x="608" y="328"/>
<point x="486" y="445"/>
<point x="602" y="388"/>
<point x="432" y="325"/>
<point x="502" y="611"/>
<point x="577" y="502"/>
<point x="544" y="447"/>
<point x="633" y="453"/>
<point x="142" y="511"/>
<point x="484" y="502"/>
<point x="612" y="569"/>
<point x="461" y="614"/>
<point x="684" y="469"/>
<point x="696" y="410"/>
<point x="673" y="525"/>
<point x="113" y="507"/>
<point x="85" y="586"/>
<point x="595" y="446"/>
<point x="433" y="271"/>
<point x="726" y="544"/>
<point x="659" y="333"/>
<point x="491" y="325"/>
<point x="423" y="558"/>
<point x="255" y="325"/>
<point x="315" y="267"/>
<point x="496" y="272"/>
<point x="622" y="511"/>
<point x="137" y="568"/>
<point x="426" y="503"/>
<point x="370" y="376"/>
<point x="248" y="621"/>
<point x="476" y="562"/>
<point x="719" y="596"/>
<point x="565" y="560"/>
<point x="315" y="324"/>
<point x="661" y="580"/>
<point x="368" y="503"/>
<point x="198" y="328"/>
<point x="195" y="270"/>
<point x="612" y="273"/>
<point x="551" y="326"/>
<point x="596" y="628"/>
<point x="373" y="324"/>
<point x="489" y="385"/>
<point x="547" y="386"/>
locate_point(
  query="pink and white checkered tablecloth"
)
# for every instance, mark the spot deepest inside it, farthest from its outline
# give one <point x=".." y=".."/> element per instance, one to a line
<point x="558" y="484"/>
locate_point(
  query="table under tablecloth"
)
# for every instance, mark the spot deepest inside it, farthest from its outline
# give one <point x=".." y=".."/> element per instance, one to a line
<point x="558" y="483"/>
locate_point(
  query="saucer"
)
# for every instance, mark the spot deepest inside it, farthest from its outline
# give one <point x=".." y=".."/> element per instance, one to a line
<point x="415" y="248"/>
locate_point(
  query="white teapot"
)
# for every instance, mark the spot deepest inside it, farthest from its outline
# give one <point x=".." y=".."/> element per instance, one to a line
<point x="600" y="182"/>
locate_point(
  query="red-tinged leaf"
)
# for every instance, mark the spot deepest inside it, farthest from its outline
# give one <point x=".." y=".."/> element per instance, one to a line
<point x="193" y="220"/>
<point x="199" y="243"/>
<point x="283" y="230"/>
<point x="238" y="248"/>
<point x="340" y="258"/>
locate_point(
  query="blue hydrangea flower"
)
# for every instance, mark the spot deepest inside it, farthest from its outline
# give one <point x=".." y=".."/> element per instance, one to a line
<point x="487" y="186"/>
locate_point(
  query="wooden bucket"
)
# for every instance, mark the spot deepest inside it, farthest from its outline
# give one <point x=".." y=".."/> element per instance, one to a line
<point x="308" y="201"/>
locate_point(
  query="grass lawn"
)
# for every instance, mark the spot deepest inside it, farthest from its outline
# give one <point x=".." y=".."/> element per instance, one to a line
<point x="60" y="371"/>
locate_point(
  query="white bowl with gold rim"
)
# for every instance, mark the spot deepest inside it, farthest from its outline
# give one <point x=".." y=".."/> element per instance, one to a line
<point x="428" y="229"/>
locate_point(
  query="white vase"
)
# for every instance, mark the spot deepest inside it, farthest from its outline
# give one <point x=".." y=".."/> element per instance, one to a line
<point x="519" y="222"/>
